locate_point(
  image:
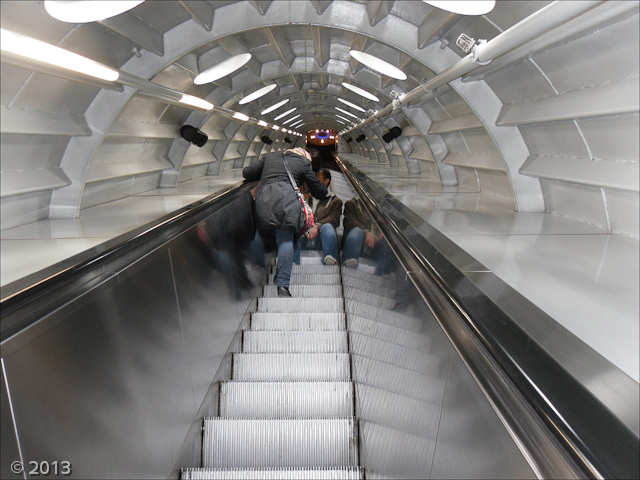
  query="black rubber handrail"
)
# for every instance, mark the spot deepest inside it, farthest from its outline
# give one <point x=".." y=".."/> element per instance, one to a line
<point x="27" y="300"/>
<point x="585" y="438"/>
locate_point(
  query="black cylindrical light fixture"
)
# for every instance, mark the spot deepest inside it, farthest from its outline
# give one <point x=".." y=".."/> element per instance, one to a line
<point x="391" y="134"/>
<point x="193" y="135"/>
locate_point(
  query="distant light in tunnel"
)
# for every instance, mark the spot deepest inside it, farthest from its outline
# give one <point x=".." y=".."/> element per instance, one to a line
<point x="222" y="69"/>
<point x="352" y="105"/>
<point x="378" y="65"/>
<point x="240" y="116"/>
<point x="196" y="102"/>
<point x="257" y="94"/>
<point x="43" y="52"/>
<point x="285" y="113"/>
<point x="262" y="123"/>
<point x="343" y="118"/>
<point x="291" y="119"/>
<point x="87" y="11"/>
<point x="274" y="107"/>
<point x="361" y="92"/>
<point x="275" y="127"/>
<point x="464" y="7"/>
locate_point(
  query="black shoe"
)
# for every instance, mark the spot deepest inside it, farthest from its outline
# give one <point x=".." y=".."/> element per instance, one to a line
<point x="283" y="292"/>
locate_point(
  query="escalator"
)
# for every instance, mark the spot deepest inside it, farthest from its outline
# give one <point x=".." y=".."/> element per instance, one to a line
<point x="155" y="356"/>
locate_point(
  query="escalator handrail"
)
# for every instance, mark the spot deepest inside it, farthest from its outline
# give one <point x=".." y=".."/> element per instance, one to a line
<point x="26" y="300"/>
<point x="585" y="437"/>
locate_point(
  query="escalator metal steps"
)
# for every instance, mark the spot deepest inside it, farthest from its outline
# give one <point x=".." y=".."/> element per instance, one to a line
<point x="396" y="355"/>
<point x="368" y="287"/>
<point x="279" y="443"/>
<point x="291" y="367"/>
<point x="295" y="305"/>
<point x="398" y="320"/>
<point x="349" y="473"/>
<point x="321" y="279"/>
<point x="295" y="342"/>
<point x="371" y="299"/>
<point x="303" y="321"/>
<point x="286" y="399"/>
<point x="298" y="291"/>
<point x="387" y="333"/>
<point x="351" y="274"/>
<point x="317" y="269"/>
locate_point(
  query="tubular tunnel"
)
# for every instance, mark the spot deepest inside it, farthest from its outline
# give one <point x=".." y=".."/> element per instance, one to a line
<point x="113" y="359"/>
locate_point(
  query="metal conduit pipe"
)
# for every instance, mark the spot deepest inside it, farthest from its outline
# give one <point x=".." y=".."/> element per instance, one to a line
<point x="524" y="31"/>
<point x="602" y="14"/>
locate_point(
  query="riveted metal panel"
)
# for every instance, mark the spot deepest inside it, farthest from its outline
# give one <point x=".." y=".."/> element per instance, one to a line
<point x="581" y="202"/>
<point x="612" y="138"/>
<point x="558" y="139"/>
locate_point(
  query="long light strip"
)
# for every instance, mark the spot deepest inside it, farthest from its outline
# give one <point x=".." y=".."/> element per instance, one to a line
<point x="274" y="107"/>
<point x="347" y="113"/>
<point x="291" y="119"/>
<point x="361" y="92"/>
<point x="196" y="102"/>
<point x="360" y="109"/>
<point x="222" y="69"/>
<point x="275" y="127"/>
<point x="44" y="52"/>
<point x="464" y="7"/>
<point x="285" y="114"/>
<point x="241" y="116"/>
<point x="84" y="12"/>
<point x="343" y="118"/>
<point x="257" y="94"/>
<point x="295" y="125"/>
<point x="262" y="123"/>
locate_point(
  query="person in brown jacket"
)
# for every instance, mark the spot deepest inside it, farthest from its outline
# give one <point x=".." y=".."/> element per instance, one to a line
<point x="326" y="215"/>
<point x="361" y="235"/>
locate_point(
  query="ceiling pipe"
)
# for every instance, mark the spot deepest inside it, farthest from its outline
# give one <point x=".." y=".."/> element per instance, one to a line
<point x="597" y="17"/>
<point x="524" y="31"/>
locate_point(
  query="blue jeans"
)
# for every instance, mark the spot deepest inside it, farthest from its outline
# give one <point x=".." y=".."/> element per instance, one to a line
<point x="284" y="242"/>
<point x="353" y="244"/>
<point x="327" y="240"/>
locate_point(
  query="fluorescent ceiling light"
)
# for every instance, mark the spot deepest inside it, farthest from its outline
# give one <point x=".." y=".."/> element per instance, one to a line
<point x="222" y="69"/>
<point x="285" y="113"/>
<point x="276" y="127"/>
<point x="46" y="53"/>
<point x="378" y="65"/>
<point x="240" y="116"/>
<point x="291" y="119"/>
<point x="464" y="7"/>
<point x="345" y="119"/>
<point x="196" y="102"/>
<point x="274" y="107"/>
<point x="262" y="123"/>
<point x="257" y="94"/>
<point x="361" y="92"/>
<point x="87" y="11"/>
<point x="352" y="105"/>
<point x="347" y="113"/>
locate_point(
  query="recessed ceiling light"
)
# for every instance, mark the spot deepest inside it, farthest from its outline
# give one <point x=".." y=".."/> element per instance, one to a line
<point x="347" y="113"/>
<point x="285" y="113"/>
<point x="87" y="11"/>
<point x="257" y="94"/>
<point x="361" y="92"/>
<point x="222" y="69"/>
<point x="352" y="105"/>
<point x="464" y="7"/>
<point x="378" y="65"/>
<point x="274" y="107"/>
<point x="46" y="53"/>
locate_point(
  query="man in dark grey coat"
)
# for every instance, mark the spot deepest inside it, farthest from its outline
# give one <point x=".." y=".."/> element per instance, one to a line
<point x="278" y="209"/>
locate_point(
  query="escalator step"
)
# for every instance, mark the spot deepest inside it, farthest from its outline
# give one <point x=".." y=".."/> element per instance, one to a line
<point x="311" y="269"/>
<point x="323" y="279"/>
<point x="393" y="354"/>
<point x="297" y="321"/>
<point x="368" y="298"/>
<point x="368" y="287"/>
<point x="295" y="342"/>
<point x="354" y="274"/>
<point x="286" y="399"/>
<point x="387" y="333"/>
<point x="349" y="473"/>
<point x="398" y="320"/>
<point x="291" y="367"/>
<point x="319" y="291"/>
<point x="281" y="443"/>
<point x="295" y="305"/>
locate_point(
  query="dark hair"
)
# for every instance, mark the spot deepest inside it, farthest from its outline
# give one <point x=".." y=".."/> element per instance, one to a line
<point x="326" y="174"/>
<point x="316" y="159"/>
